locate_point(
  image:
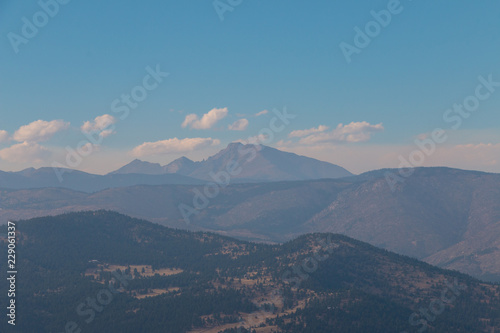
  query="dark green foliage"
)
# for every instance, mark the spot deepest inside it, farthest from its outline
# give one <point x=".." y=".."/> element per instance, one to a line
<point x="353" y="289"/>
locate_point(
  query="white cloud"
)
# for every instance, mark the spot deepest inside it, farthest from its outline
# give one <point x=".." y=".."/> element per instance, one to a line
<point x="4" y="136"/>
<point x="25" y="152"/>
<point x="353" y="132"/>
<point x="174" y="145"/>
<point x="261" y="113"/>
<point x="207" y="121"/>
<point x="100" y="124"/>
<point x="39" y="130"/>
<point x="306" y="132"/>
<point x="239" y="125"/>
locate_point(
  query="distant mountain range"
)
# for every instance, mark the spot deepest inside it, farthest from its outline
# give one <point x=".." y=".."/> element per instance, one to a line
<point x="256" y="164"/>
<point x="82" y="181"/>
<point x="447" y="217"/>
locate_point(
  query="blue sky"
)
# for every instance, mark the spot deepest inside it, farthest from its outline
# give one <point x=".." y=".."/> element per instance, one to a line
<point x="264" y="55"/>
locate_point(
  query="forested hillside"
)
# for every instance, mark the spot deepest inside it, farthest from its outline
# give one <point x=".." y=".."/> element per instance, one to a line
<point x="105" y="272"/>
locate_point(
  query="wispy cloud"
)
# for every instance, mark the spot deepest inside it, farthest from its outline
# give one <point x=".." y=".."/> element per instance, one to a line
<point x="353" y="132"/>
<point x="174" y="145"/>
<point x="239" y="125"/>
<point x="39" y="130"/>
<point x="261" y="113"/>
<point x="306" y="132"/>
<point x="207" y="121"/>
<point x="255" y="140"/>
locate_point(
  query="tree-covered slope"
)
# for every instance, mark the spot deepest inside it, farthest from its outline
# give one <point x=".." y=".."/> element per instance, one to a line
<point x="106" y="272"/>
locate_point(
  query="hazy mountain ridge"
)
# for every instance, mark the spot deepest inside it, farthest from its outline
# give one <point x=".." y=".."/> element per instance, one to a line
<point x="141" y="167"/>
<point x="258" y="164"/>
<point x="447" y="217"/>
<point x="82" y="181"/>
